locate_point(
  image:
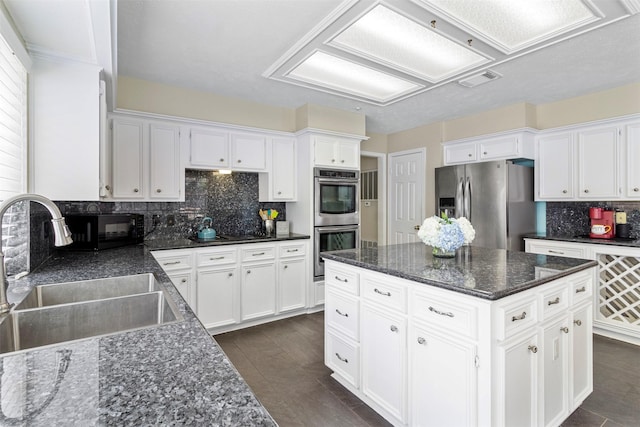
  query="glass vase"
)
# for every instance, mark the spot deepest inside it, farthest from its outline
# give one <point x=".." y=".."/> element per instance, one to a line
<point x="441" y="253"/>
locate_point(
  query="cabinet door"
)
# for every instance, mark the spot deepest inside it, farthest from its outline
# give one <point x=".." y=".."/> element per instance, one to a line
<point x="283" y="172"/>
<point x="633" y="154"/>
<point x="555" y="354"/>
<point x="581" y="361"/>
<point x="324" y="151"/>
<point x="349" y="154"/>
<point x="554" y="167"/>
<point x="292" y="289"/>
<point x="460" y="153"/>
<point x="519" y="361"/>
<point x="442" y="380"/>
<point x="383" y="339"/>
<point x="598" y="169"/>
<point x="217" y="297"/>
<point x="209" y="148"/>
<point x="164" y="161"/>
<point x="185" y="284"/>
<point x="500" y="148"/>
<point x="248" y="152"/>
<point x="258" y="290"/>
<point x="128" y="158"/>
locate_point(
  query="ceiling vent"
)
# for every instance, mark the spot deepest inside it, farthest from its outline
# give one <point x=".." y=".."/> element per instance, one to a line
<point x="479" y="79"/>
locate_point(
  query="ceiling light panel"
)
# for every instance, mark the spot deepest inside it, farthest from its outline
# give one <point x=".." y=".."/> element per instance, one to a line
<point x="389" y="38"/>
<point x="529" y="22"/>
<point x="335" y="73"/>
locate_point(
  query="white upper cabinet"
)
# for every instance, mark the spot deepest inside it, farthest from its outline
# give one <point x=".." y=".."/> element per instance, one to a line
<point x="336" y="152"/>
<point x="164" y="161"/>
<point x="632" y="185"/>
<point x="554" y="168"/>
<point x="209" y="148"/>
<point x="511" y="145"/>
<point x="595" y="162"/>
<point x="128" y="158"/>
<point x="248" y="152"/>
<point x="279" y="184"/>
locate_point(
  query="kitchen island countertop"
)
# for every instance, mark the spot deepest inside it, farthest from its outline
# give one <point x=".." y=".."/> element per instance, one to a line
<point x="173" y="374"/>
<point x="481" y="272"/>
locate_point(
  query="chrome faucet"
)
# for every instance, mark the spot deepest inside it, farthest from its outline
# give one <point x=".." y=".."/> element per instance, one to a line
<point x="62" y="236"/>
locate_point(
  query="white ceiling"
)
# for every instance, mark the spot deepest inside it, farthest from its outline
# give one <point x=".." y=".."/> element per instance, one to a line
<point x="227" y="46"/>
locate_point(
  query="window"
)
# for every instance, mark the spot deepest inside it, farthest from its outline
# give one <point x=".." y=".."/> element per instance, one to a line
<point x="13" y="157"/>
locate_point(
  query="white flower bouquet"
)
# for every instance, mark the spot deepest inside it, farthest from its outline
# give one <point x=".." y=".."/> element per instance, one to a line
<point x="446" y="234"/>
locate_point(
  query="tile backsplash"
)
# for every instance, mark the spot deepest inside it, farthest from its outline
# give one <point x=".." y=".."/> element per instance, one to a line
<point x="572" y="218"/>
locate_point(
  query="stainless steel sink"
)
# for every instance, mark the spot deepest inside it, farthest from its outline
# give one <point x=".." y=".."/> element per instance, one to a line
<point x="55" y="319"/>
<point x="88" y="290"/>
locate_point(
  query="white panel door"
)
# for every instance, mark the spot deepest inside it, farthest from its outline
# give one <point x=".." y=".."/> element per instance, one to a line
<point x="406" y="195"/>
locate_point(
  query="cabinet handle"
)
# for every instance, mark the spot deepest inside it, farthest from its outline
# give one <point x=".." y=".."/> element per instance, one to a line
<point x="421" y="340"/>
<point x="341" y="313"/>
<point x="341" y="280"/>
<point x="222" y="160"/>
<point x="533" y="349"/>
<point x="171" y="263"/>
<point x="556" y="252"/>
<point x="294" y="250"/>
<point x="555" y="301"/>
<point x="565" y="329"/>
<point x="442" y="313"/>
<point x="521" y="317"/>
<point x="258" y="254"/>
<point x="158" y="190"/>
<point x="135" y="190"/>
<point x="217" y="258"/>
<point x="184" y="280"/>
<point x="582" y="289"/>
<point x="586" y="190"/>
<point x="564" y="191"/>
<point x="386" y="294"/>
<point x="393" y="328"/>
<point x="577" y="322"/>
<point x="340" y="358"/>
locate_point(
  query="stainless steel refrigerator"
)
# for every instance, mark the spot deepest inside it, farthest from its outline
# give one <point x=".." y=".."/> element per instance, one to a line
<point x="497" y="197"/>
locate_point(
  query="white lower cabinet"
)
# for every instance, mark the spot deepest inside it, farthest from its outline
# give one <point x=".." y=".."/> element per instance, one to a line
<point x="432" y="357"/>
<point x="235" y="286"/>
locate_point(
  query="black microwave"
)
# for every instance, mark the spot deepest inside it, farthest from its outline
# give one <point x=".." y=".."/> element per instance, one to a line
<point x="94" y="232"/>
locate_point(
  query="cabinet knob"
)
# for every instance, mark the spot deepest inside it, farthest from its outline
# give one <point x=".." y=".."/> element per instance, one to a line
<point x="230" y="274"/>
<point x="341" y="161"/>
<point x="108" y="187"/>
<point x="485" y="153"/>
<point x="184" y="280"/>
<point x="393" y="328"/>
<point x="586" y="190"/>
<point x="159" y="190"/>
<point x="279" y="192"/>
<point x="239" y="161"/>
<point x="533" y="349"/>
<point x="421" y="340"/>
<point x="564" y="191"/>
<point x="135" y="190"/>
<point x="470" y="155"/>
<point x="248" y="271"/>
<point x="565" y="329"/>
<point x="222" y="160"/>
<point x="636" y="189"/>
<point x="286" y="266"/>
<point x="578" y="322"/>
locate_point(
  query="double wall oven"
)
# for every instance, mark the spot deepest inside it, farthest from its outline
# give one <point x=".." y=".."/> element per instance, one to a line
<point x="336" y="213"/>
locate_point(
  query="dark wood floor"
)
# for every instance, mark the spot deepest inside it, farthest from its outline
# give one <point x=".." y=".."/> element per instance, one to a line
<point x="283" y="363"/>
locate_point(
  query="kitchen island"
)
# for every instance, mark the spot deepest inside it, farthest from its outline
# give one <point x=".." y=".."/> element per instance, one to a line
<point x="171" y="374"/>
<point x="489" y="338"/>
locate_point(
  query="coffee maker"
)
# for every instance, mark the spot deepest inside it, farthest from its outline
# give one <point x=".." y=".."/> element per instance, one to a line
<point x="602" y="223"/>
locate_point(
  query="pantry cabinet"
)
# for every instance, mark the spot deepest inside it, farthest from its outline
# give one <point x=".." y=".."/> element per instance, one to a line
<point x="145" y="160"/>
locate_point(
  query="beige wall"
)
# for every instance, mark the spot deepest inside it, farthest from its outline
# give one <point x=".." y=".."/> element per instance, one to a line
<point x="515" y="116"/>
<point x="318" y="117"/>
<point x="376" y="143"/>
<point x="142" y="95"/>
<point x="616" y="102"/>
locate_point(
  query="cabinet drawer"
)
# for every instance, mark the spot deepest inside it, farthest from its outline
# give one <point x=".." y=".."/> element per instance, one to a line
<point x="345" y="280"/>
<point x="258" y="253"/>
<point x="448" y="315"/>
<point x="288" y="250"/>
<point x="581" y="289"/>
<point x="516" y="316"/>
<point x="554" y="300"/>
<point x="343" y="357"/>
<point x="557" y="250"/>
<point x="342" y="314"/>
<point x="217" y="257"/>
<point x="174" y="261"/>
<point x="391" y="295"/>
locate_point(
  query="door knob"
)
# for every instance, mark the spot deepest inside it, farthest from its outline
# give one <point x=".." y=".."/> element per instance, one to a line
<point x="416" y="227"/>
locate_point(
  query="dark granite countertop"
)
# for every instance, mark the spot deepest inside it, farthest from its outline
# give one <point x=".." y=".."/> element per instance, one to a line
<point x="173" y="374"/>
<point x="634" y="243"/>
<point x="481" y="272"/>
<point x="183" y="243"/>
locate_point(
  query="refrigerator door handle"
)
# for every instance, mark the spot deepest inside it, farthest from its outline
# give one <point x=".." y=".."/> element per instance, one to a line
<point x="467" y="199"/>
<point x="459" y="202"/>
